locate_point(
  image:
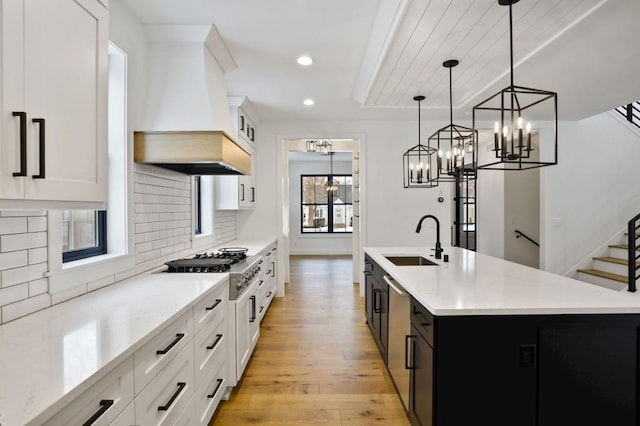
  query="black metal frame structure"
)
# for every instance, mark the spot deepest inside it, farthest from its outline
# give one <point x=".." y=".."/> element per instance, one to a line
<point x="631" y="112"/>
<point x="512" y="147"/>
<point x="419" y="156"/>
<point x="197" y="194"/>
<point x="457" y="141"/>
<point x="633" y="245"/>
<point x="462" y="236"/>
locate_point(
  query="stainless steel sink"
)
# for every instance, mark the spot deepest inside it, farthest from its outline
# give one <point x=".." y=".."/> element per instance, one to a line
<point x="410" y="261"/>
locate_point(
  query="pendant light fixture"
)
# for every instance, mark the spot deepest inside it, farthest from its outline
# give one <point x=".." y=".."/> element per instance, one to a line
<point x="513" y="143"/>
<point x="331" y="186"/>
<point x="454" y="144"/>
<point x="417" y="160"/>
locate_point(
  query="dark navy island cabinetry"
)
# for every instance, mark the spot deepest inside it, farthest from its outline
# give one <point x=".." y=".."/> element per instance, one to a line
<point x="537" y="370"/>
<point x="377" y="305"/>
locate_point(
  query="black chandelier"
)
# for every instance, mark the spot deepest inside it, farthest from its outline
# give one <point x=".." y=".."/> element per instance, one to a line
<point x="455" y="160"/>
<point x="514" y="144"/>
<point x="416" y="162"/>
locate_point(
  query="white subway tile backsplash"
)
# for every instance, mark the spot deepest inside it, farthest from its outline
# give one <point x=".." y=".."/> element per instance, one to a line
<point x="37" y="255"/>
<point x="20" y="275"/>
<point x="25" y="307"/>
<point x="13" y="259"/>
<point x="38" y="287"/>
<point x="13" y="294"/>
<point x="67" y="294"/>
<point x="22" y="241"/>
<point x="13" y="225"/>
<point x="102" y="282"/>
<point x="163" y="231"/>
<point x="37" y="224"/>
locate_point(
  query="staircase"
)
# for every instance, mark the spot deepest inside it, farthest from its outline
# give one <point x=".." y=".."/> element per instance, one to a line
<point x="610" y="271"/>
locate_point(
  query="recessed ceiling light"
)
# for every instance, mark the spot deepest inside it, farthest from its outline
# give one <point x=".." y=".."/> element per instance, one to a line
<point x="308" y="102"/>
<point x="305" y="60"/>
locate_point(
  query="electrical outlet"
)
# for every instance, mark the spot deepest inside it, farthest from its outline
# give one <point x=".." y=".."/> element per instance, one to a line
<point x="527" y="356"/>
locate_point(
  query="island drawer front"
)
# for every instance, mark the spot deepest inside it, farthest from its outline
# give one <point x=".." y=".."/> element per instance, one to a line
<point x="209" y="393"/>
<point x="372" y="268"/>
<point x="423" y="321"/>
<point x="102" y="402"/>
<point x="148" y="362"/>
<point x="214" y="303"/>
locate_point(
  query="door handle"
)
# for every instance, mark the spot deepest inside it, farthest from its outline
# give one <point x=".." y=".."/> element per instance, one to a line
<point x="41" y="143"/>
<point x="409" y="352"/>
<point x="23" y="143"/>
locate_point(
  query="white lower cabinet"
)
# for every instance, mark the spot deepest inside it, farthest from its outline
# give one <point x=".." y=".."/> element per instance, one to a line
<point x="161" y="349"/>
<point x="126" y="418"/>
<point x="163" y="400"/>
<point x="209" y="347"/>
<point x="188" y="416"/>
<point x="209" y="393"/>
<point x="247" y="327"/>
<point x="101" y="403"/>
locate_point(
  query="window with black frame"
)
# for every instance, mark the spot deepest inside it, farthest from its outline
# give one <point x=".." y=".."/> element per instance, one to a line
<point x="84" y="234"/>
<point x="323" y="210"/>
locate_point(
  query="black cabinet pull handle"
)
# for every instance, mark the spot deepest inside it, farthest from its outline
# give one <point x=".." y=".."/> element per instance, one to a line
<point x="253" y="194"/>
<point x="261" y="309"/>
<point x="215" y="391"/>
<point x="408" y="351"/>
<point x="165" y="407"/>
<point x="179" y="337"/>
<point x="253" y="134"/>
<point x="212" y="307"/>
<point x="253" y="309"/>
<point x="376" y="304"/>
<point x="269" y="294"/>
<point x="218" y="338"/>
<point x="273" y="269"/>
<point x="242" y="188"/>
<point x="269" y="272"/>
<point x="242" y="123"/>
<point x="105" y="404"/>
<point x="260" y="283"/>
<point x="41" y="143"/>
<point x="23" y="143"/>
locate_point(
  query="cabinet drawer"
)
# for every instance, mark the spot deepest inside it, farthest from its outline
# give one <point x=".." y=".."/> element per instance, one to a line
<point x="102" y="402"/>
<point x="209" y="394"/>
<point x="126" y="418"/>
<point x="188" y="416"/>
<point x="423" y="321"/>
<point x="161" y="349"/>
<point x="210" y="344"/>
<point x="214" y="303"/>
<point x="162" y="402"/>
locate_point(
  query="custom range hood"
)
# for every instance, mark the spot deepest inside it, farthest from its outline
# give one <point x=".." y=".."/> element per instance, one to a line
<point x="186" y="124"/>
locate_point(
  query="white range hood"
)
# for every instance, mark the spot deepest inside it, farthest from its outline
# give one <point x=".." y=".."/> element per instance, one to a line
<point x="187" y="124"/>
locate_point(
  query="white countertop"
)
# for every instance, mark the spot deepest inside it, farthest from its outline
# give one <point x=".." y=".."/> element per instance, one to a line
<point x="50" y="357"/>
<point x="475" y="284"/>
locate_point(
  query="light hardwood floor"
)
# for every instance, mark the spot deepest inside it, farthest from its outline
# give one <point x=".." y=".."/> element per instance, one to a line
<point x="315" y="362"/>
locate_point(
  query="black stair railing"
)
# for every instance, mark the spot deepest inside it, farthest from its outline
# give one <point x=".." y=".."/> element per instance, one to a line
<point x="633" y="246"/>
<point x="631" y="112"/>
<point x="521" y="234"/>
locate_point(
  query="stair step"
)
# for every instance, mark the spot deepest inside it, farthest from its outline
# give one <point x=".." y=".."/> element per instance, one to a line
<point x="603" y="274"/>
<point x="621" y="246"/>
<point x="611" y="264"/>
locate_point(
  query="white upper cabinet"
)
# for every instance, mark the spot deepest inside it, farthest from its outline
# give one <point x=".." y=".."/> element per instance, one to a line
<point x="53" y="130"/>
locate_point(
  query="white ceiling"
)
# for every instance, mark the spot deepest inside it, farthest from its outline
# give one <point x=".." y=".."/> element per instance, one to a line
<point x="372" y="56"/>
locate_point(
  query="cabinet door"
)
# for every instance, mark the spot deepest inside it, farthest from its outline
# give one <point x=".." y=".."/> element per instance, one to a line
<point x="368" y="298"/>
<point x="66" y="71"/>
<point x="12" y="101"/>
<point x="588" y="375"/>
<point x="384" y="320"/>
<point x="247" y="326"/>
<point x="421" y="382"/>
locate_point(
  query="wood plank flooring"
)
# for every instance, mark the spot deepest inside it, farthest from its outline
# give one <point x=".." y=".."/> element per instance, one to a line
<point x="316" y="362"/>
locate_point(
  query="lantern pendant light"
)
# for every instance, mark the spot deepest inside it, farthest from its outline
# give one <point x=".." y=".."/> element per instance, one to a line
<point x="512" y="143"/>
<point x="455" y="160"/>
<point x="416" y="161"/>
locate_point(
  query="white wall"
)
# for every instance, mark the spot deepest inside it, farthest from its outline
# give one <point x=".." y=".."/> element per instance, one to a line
<point x="389" y="213"/>
<point x="592" y="193"/>
<point x="313" y="243"/>
<point x="522" y="212"/>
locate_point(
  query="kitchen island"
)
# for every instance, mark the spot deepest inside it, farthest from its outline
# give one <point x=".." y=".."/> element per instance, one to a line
<point x="497" y="343"/>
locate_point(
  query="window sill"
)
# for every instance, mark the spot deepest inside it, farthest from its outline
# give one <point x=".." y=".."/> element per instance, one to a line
<point x="85" y="271"/>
